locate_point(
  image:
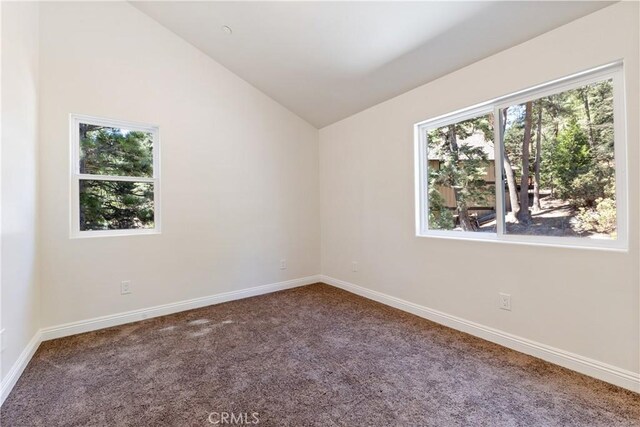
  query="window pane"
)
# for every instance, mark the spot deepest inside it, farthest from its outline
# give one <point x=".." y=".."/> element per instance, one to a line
<point x="113" y="151"/>
<point x="559" y="164"/>
<point x="461" y="176"/>
<point x="115" y="205"/>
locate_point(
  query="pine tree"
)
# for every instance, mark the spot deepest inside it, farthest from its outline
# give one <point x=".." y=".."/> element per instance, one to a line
<point x="462" y="168"/>
<point x="110" y="204"/>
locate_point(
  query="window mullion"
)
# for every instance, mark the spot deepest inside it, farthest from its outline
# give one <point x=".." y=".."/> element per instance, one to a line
<point x="91" y="177"/>
<point x="499" y="173"/>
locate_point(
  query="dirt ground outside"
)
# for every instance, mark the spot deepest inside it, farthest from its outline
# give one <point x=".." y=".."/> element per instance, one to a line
<point x="557" y="218"/>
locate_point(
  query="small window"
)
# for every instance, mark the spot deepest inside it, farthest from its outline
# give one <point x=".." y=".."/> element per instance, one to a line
<point x="114" y="177"/>
<point x="543" y="166"/>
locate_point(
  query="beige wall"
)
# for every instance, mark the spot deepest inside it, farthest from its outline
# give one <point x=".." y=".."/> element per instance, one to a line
<point x="19" y="293"/>
<point x="581" y="301"/>
<point x="239" y="171"/>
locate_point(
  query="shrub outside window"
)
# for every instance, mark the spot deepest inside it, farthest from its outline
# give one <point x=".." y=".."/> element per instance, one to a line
<point x="114" y="177"/>
<point x="543" y="166"/>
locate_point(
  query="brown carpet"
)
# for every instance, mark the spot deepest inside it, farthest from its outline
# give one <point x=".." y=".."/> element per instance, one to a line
<point x="311" y="356"/>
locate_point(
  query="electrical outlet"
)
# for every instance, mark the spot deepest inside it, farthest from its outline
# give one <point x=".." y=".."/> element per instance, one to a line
<point x="125" y="287"/>
<point x="354" y="266"/>
<point x="283" y="264"/>
<point x="504" y="301"/>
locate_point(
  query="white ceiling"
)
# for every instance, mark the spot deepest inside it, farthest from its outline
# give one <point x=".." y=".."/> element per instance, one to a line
<point x="328" y="60"/>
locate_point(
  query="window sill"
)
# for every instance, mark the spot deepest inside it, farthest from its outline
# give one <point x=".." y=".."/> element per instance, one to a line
<point x="113" y="233"/>
<point x="553" y="242"/>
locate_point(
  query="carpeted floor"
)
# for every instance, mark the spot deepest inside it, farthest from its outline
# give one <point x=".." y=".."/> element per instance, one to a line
<point x="311" y="356"/>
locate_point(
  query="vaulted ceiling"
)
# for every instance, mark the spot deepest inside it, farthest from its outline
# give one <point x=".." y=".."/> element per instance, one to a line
<point x="328" y="60"/>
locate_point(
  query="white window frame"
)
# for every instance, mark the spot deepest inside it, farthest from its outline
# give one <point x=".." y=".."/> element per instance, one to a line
<point x="613" y="71"/>
<point x="76" y="176"/>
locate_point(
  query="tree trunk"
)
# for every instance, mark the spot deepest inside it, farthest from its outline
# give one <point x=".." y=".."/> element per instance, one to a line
<point x="511" y="186"/>
<point x="461" y="205"/>
<point x="536" y="179"/>
<point x="508" y="171"/>
<point x="585" y="100"/>
<point x="524" y="217"/>
<point x="556" y="131"/>
<point x="463" y="213"/>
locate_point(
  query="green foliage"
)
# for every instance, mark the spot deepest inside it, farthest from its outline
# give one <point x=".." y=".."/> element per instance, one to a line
<point x="513" y="135"/>
<point x="115" y="205"/>
<point x="593" y="185"/>
<point x="601" y="219"/>
<point x="462" y="167"/>
<point x="112" y="151"/>
<point x="440" y="216"/>
<point x="571" y="160"/>
<point x="600" y="100"/>
<point x="110" y="204"/>
<point x="465" y="176"/>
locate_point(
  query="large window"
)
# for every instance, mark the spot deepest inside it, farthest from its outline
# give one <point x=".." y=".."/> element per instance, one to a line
<point x="114" y="177"/>
<point x="546" y="165"/>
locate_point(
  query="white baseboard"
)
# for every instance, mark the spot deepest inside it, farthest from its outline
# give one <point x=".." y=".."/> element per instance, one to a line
<point x="605" y="372"/>
<point x="102" y="322"/>
<point x="18" y="367"/>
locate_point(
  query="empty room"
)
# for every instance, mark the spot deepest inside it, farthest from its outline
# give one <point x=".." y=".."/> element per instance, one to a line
<point x="307" y="213"/>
